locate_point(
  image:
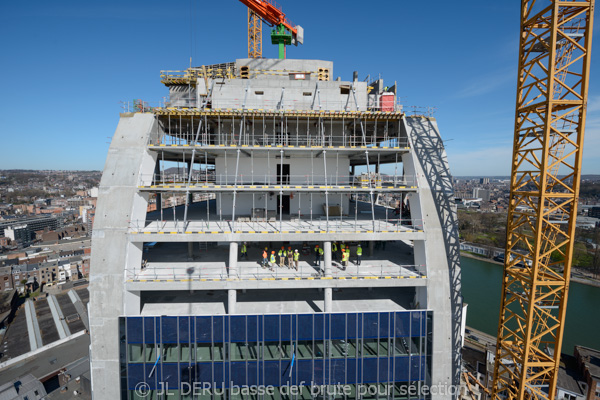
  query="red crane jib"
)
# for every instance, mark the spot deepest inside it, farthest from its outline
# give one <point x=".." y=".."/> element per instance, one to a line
<point x="269" y="13"/>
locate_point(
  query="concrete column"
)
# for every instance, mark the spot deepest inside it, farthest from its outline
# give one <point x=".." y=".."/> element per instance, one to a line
<point x="132" y="302"/>
<point x="233" y="258"/>
<point x="371" y="248"/>
<point x="231" y="300"/>
<point x="328" y="300"/>
<point x="190" y="249"/>
<point x="327" y="251"/>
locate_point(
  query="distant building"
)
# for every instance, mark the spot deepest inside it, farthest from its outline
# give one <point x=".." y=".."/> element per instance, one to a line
<point x="23" y="229"/>
<point x="26" y="387"/>
<point x="594" y="212"/>
<point x="481" y="193"/>
<point x="588" y="361"/>
<point x="484" y="181"/>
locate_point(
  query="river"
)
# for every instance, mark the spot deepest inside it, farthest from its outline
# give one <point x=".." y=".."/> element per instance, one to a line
<point x="482" y="287"/>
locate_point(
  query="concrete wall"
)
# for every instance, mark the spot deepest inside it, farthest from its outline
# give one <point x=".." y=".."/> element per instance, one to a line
<point x="304" y="169"/>
<point x="118" y="203"/>
<point x="427" y="162"/>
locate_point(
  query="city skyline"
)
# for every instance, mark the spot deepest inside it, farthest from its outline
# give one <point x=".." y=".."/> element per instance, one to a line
<point x="86" y="58"/>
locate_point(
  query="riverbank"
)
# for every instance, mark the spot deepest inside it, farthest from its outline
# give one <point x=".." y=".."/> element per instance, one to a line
<point x="583" y="281"/>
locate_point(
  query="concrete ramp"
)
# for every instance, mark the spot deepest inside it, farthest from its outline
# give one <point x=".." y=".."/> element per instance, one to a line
<point x="33" y="328"/>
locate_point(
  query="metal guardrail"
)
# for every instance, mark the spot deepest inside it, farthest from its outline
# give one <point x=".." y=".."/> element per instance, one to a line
<point x="248" y="225"/>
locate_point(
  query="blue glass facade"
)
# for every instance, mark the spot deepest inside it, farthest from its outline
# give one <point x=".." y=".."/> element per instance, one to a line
<point x="366" y="355"/>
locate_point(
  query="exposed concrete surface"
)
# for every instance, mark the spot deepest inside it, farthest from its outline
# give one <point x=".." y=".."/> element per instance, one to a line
<point x="33" y="328"/>
<point x="80" y="307"/>
<point x="59" y="318"/>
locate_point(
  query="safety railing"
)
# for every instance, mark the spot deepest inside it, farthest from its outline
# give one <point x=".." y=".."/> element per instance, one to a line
<point x="292" y="139"/>
<point x="367" y="269"/>
<point x="271" y="223"/>
<point x="311" y="181"/>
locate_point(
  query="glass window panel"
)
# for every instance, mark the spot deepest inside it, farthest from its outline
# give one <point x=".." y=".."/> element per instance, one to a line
<point x="271" y="374"/>
<point x="135" y="375"/>
<point x="151" y="351"/>
<point x="351" y="326"/>
<point x="370" y="325"/>
<point x="304" y="370"/>
<point x="203" y="329"/>
<point x="252" y="328"/>
<point x="218" y="352"/>
<point x="351" y="364"/>
<point x="304" y="349"/>
<point x="337" y="371"/>
<point x="271" y="325"/>
<point x="135" y="395"/>
<point x="184" y="352"/>
<point x="417" y="367"/>
<point x="134" y="330"/>
<point x="319" y="326"/>
<point x="169" y="329"/>
<point x="402" y="324"/>
<point x="384" y="325"/>
<point x="243" y="351"/>
<point x="305" y="327"/>
<point x="416" y="322"/>
<point x="217" y="328"/>
<point x="338" y="326"/>
<point x="417" y="345"/>
<point x="370" y="370"/>
<point x="383" y="348"/>
<point x="203" y="352"/>
<point x="170" y="375"/>
<point x="286" y="326"/>
<point x="271" y="351"/>
<point x="136" y="353"/>
<point x="204" y="372"/>
<point x="383" y="369"/>
<point x="320" y="350"/>
<point x="170" y="352"/>
<point x="370" y="348"/>
<point x="238" y="328"/>
<point x="401" y="347"/>
<point x="401" y="366"/>
<point x="238" y="373"/>
<point x="340" y="348"/>
<point x="252" y="368"/>
<point x="184" y="329"/>
<point x="305" y="394"/>
<point x="286" y="349"/>
<point x="319" y="372"/>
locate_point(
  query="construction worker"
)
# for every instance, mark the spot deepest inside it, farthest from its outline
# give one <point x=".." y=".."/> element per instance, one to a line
<point x="290" y="257"/>
<point x="334" y="251"/>
<point x="273" y="260"/>
<point x="296" y="258"/>
<point x="358" y="254"/>
<point x="345" y="258"/>
<point x="318" y="254"/>
<point x="244" y="252"/>
<point x="265" y="261"/>
<point x="281" y="253"/>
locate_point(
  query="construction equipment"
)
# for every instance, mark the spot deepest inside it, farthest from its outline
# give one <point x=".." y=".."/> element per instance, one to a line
<point x="554" y="62"/>
<point x="283" y="34"/>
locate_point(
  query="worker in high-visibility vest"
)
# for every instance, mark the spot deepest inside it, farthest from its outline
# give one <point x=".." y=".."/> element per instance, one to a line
<point x="334" y="251"/>
<point x="345" y="258"/>
<point x="273" y="261"/>
<point x="281" y="255"/>
<point x="290" y="258"/>
<point x="265" y="260"/>
<point x="296" y="258"/>
<point x="244" y="252"/>
<point x="318" y="253"/>
<point x="358" y="254"/>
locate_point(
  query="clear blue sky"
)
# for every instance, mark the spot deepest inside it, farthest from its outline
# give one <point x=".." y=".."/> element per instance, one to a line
<point x="66" y="65"/>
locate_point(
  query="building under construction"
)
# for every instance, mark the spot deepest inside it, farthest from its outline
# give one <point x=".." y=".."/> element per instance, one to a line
<point x="270" y="154"/>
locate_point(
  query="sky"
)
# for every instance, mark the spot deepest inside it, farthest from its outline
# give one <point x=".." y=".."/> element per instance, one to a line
<point x="68" y="65"/>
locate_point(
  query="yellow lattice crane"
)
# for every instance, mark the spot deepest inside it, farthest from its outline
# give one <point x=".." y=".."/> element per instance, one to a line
<point x="552" y="89"/>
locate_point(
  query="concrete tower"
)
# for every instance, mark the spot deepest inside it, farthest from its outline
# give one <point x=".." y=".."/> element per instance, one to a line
<point x="270" y="154"/>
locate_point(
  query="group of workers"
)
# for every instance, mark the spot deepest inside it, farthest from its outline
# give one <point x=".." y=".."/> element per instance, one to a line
<point x="290" y="258"/>
<point x="345" y="254"/>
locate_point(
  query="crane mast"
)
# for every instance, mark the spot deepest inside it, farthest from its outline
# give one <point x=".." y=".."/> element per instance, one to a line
<point x="552" y="89"/>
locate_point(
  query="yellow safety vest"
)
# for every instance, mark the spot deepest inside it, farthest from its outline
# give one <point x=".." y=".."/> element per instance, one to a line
<point x="334" y="247"/>
<point x="296" y="256"/>
<point x="243" y="248"/>
<point x="320" y="251"/>
<point x="359" y="251"/>
<point x="272" y="258"/>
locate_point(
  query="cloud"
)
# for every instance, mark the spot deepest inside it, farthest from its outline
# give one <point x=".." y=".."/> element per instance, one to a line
<point x="487" y="83"/>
